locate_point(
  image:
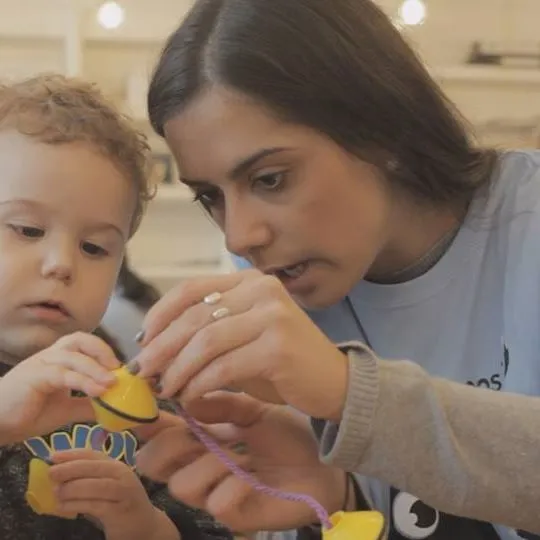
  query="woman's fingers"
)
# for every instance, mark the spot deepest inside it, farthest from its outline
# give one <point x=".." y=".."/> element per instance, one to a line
<point x="166" y="420"/>
<point x="194" y="483"/>
<point x="220" y="407"/>
<point x="185" y="295"/>
<point x="228" y="504"/>
<point x="230" y="369"/>
<point x="167" y="452"/>
<point x="176" y="447"/>
<point x="158" y="353"/>
<point x="211" y="342"/>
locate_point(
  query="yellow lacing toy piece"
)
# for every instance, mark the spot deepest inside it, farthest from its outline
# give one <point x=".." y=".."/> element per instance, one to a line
<point x="40" y="494"/>
<point x="129" y="403"/>
<point x="355" y="526"/>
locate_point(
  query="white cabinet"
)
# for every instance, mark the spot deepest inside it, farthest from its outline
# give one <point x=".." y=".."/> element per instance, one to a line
<point x="176" y="240"/>
<point x="502" y="103"/>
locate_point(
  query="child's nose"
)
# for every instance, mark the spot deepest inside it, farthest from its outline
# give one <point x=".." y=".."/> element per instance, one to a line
<point x="59" y="262"/>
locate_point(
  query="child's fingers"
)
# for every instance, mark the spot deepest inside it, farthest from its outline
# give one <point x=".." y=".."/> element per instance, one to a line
<point x="166" y="420"/>
<point x="52" y="378"/>
<point x="91" y="346"/>
<point x="67" y="471"/>
<point x="79" y="454"/>
<point x="90" y="489"/>
<point x="68" y="361"/>
<point x="86" y="507"/>
<point x="76" y="381"/>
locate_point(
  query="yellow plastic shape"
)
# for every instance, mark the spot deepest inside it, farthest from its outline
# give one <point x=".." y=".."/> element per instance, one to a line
<point x="40" y="494"/>
<point x="355" y="526"/>
<point x="129" y="403"/>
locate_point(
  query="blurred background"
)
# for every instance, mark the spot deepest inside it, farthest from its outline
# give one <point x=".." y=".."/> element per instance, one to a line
<point x="484" y="53"/>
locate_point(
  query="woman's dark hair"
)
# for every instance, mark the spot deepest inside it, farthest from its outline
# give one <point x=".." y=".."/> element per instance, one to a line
<point x="133" y="288"/>
<point x="337" y="66"/>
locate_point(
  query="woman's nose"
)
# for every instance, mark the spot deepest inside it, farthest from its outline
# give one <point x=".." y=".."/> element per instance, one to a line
<point x="245" y="231"/>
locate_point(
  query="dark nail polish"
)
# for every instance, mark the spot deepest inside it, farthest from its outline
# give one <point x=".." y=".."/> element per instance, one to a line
<point x="133" y="367"/>
<point x="240" y="448"/>
<point x="140" y="336"/>
<point x="158" y="388"/>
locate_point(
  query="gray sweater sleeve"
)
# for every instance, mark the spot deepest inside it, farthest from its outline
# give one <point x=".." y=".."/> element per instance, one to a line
<point x="466" y="451"/>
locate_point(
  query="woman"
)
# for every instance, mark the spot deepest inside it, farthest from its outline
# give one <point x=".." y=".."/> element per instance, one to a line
<point x="333" y="164"/>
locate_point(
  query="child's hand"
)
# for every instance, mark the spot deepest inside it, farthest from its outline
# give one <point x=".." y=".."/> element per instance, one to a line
<point x="36" y="394"/>
<point x="107" y="490"/>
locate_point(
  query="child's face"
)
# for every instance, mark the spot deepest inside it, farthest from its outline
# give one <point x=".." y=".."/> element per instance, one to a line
<point x="65" y="215"/>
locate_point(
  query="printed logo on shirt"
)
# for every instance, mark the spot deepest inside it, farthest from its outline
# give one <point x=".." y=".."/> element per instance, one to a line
<point x="412" y="519"/>
<point x="496" y="380"/>
<point x="119" y="446"/>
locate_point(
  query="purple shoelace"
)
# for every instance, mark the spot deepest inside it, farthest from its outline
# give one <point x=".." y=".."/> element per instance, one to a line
<point x="212" y="446"/>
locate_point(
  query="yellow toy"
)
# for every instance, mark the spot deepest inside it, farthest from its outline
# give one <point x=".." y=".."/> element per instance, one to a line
<point x="40" y="493"/>
<point x="355" y="526"/>
<point x="129" y="403"/>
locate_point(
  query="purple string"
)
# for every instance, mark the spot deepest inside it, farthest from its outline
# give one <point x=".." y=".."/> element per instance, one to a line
<point x="214" y="447"/>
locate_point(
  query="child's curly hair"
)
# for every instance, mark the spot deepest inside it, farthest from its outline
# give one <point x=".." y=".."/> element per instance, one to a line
<point x="55" y="110"/>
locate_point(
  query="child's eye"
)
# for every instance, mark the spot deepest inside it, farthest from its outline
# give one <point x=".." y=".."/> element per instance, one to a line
<point x="28" y="231"/>
<point x="94" y="250"/>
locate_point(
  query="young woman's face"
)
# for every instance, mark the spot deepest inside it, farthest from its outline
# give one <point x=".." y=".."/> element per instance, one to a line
<point x="288" y="199"/>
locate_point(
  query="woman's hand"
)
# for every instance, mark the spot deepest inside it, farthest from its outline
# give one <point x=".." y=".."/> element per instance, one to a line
<point x="273" y="442"/>
<point x="242" y="331"/>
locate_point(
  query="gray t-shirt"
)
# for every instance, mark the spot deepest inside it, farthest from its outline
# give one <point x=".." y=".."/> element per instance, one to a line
<point x="474" y="318"/>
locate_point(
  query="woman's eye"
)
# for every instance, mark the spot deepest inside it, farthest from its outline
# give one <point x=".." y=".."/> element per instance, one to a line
<point x="208" y="198"/>
<point x="94" y="250"/>
<point x="270" y="181"/>
<point x="27" y="231"/>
